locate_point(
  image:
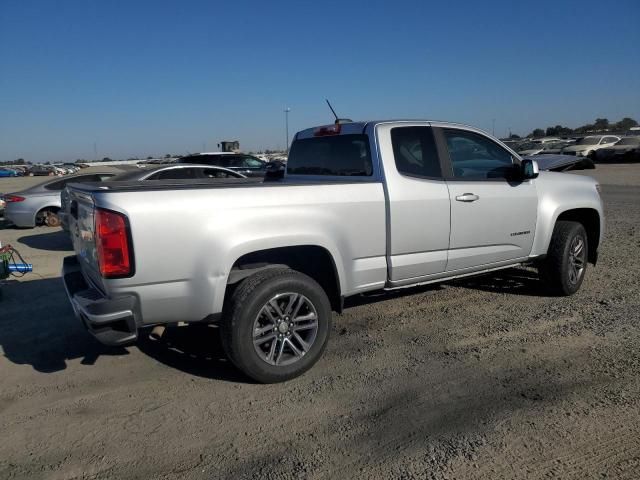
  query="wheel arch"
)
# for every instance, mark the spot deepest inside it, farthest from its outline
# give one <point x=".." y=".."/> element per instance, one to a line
<point x="46" y="208"/>
<point x="589" y="218"/>
<point x="313" y="260"/>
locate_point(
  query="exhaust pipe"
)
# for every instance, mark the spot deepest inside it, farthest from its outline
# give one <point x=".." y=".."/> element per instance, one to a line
<point x="157" y="332"/>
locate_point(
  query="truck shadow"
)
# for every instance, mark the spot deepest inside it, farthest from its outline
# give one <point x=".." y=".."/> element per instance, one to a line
<point x="38" y="328"/>
<point x="53" y="240"/>
<point x="513" y="281"/>
<point x="194" y="349"/>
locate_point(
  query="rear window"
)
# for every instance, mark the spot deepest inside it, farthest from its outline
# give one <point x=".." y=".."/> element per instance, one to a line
<point x="414" y="149"/>
<point x="340" y="155"/>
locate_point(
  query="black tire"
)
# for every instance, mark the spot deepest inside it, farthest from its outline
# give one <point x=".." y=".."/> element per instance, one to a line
<point x="245" y="306"/>
<point x="556" y="269"/>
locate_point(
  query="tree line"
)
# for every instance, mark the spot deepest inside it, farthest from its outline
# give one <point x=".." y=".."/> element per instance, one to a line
<point x="600" y="125"/>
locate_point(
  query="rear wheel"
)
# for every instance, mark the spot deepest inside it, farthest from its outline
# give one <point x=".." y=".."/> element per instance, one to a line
<point x="276" y="325"/>
<point x="52" y="220"/>
<point x="564" y="268"/>
<point x="49" y="218"/>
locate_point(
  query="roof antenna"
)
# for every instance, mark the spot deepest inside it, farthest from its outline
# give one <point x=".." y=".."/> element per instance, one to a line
<point x="338" y="120"/>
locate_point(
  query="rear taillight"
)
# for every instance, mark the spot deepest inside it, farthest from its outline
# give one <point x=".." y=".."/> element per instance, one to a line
<point x="327" y="130"/>
<point x="112" y="244"/>
<point x="13" y="198"/>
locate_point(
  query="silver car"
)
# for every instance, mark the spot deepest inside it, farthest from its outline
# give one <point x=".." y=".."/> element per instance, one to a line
<point x="40" y="204"/>
<point x="165" y="172"/>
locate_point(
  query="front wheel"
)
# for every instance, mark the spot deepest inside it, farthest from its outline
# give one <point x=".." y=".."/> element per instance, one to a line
<point x="564" y="268"/>
<point x="276" y="325"/>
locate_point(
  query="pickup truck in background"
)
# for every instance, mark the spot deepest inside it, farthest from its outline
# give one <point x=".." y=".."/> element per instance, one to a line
<point x="362" y="206"/>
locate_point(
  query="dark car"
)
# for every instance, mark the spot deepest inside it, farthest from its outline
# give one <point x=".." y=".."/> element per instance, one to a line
<point x="247" y="165"/>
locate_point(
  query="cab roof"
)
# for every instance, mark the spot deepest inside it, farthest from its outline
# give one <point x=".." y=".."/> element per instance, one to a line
<point x="360" y="126"/>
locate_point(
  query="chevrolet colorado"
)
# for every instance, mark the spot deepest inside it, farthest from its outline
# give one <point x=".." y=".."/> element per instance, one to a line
<point x="362" y="206"/>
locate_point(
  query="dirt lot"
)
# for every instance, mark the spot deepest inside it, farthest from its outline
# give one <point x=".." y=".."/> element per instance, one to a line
<point x="483" y="378"/>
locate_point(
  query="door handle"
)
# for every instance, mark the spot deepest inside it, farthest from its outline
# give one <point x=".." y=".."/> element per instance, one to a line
<point x="467" y="197"/>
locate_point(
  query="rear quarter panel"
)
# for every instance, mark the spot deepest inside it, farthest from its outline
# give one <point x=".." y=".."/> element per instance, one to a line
<point x="186" y="241"/>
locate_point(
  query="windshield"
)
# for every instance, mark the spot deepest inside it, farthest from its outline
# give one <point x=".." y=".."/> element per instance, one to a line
<point x="343" y="155"/>
<point x="629" y="141"/>
<point x="588" y="141"/>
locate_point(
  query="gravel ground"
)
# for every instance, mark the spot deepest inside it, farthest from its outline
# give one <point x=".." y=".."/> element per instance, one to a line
<point x="482" y="378"/>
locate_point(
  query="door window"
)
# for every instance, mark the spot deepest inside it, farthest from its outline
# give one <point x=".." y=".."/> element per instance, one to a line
<point x="215" y="173"/>
<point x="476" y="157"/>
<point x="251" y="162"/>
<point x="415" y="153"/>
<point x="174" y="174"/>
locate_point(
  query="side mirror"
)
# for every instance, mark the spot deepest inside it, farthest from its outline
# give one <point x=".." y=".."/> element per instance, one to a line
<point x="529" y="168"/>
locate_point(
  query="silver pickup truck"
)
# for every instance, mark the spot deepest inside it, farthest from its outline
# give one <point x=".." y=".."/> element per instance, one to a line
<point x="361" y="207"/>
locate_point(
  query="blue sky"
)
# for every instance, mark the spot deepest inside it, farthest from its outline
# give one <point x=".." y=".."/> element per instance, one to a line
<point x="154" y="77"/>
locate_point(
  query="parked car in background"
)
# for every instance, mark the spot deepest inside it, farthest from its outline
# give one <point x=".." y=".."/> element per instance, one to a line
<point x="68" y="168"/>
<point x="40" y="204"/>
<point x="8" y="172"/>
<point x="42" y="170"/>
<point x="179" y="171"/>
<point x="247" y="165"/>
<point x="562" y="163"/>
<point x="166" y="172"/>
<point x="537" y="148"/>
<point x="587" y="145"/>
<point x="626" y="150"/>
<point x="20" y="169"/>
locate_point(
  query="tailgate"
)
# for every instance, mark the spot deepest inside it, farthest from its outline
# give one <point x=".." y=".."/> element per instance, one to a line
<point x="82" y="232"/>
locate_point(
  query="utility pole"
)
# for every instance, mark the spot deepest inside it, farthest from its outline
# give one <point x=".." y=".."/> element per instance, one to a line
<point x="95" y="151"/>
<point x="286" y="125"/>
<point x="493" y="128"/>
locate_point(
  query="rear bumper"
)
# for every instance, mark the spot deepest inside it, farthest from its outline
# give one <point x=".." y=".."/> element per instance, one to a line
<point x="19" y="217"/>
<point x="110" y="320"/>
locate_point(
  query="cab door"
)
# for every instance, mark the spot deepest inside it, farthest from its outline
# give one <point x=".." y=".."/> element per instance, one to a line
<point x="418" y="202"/>
<point x="493" y="211"/>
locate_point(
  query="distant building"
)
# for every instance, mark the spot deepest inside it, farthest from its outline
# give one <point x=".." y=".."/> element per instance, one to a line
<point x="229" y="146"/>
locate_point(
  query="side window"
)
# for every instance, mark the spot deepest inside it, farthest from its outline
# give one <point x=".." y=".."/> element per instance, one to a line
<point x="230" y="161"/>
<point x="415" y="153"/>
<point x="609" y="140"/>
<point x="60" y="184"/>
<point x="250" y="162"/>
<point x="474" y="156"/>
<point x="173" y="174"/>
<point x="215" y="173"/>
